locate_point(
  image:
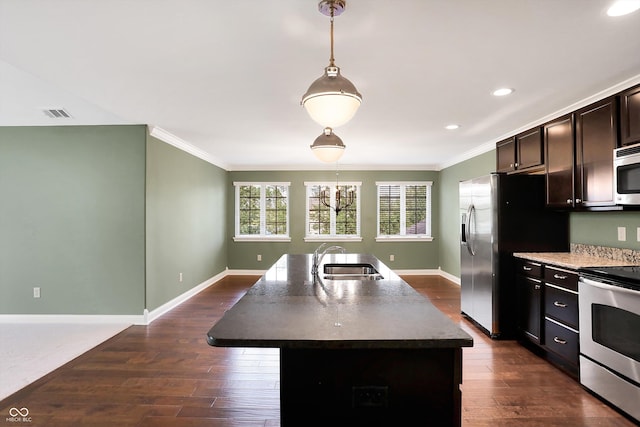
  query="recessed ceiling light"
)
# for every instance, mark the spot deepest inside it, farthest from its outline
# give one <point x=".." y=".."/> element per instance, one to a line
<point x="502" y="91"/>
<point x="623" y="7"/>
<point x="452" y="127"/>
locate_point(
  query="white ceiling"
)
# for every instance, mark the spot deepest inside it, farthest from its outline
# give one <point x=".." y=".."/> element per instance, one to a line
<point x="226" y="77"/>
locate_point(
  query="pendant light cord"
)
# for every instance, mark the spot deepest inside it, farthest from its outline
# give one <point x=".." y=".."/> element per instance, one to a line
<point x="332" y="60"/>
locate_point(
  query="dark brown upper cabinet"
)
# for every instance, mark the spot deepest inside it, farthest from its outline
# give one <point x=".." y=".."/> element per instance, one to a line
<point x="522" y="152"/>
<point x="559" y="153"/>
<point x="506" y="155"/>
<point x="630" y="116"/>
<point x="596" y="138"/>
<point x="529" y="149"/>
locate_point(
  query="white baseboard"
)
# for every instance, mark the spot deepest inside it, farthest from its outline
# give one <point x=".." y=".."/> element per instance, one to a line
<point x="149" y="316"/>
<point x="125" y="319"/>
<point x="448" y="276"/>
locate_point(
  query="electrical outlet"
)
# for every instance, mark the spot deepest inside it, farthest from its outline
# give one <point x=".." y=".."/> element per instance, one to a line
<point x="36" y="292"/>
<point x="259" y="257"/>
<point x="180" y="277"/>
<point x="622" y="234"/>
<point x="392" y="257"/>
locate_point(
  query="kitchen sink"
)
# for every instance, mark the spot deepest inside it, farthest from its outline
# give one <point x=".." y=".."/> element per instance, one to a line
<point x="351" y="272"/>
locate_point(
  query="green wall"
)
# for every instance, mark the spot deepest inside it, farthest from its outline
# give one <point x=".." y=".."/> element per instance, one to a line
<point x="72" y="219"/>
<point x="105" y="218"/>
<point x="449" y="205"/>
<point x="601" y="228"/>
<point x="185" y="226"/>
<point x="592" y="228"/>
<point x="408" y="255"/>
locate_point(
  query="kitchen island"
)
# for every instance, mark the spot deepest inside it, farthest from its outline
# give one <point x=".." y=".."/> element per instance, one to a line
<point x="354" y="350"/>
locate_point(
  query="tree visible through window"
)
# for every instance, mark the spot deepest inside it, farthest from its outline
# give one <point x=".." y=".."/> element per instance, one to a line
<point x="262" y="209"/>
<point x="404" y="209"/>
<point x="324" y="221"/>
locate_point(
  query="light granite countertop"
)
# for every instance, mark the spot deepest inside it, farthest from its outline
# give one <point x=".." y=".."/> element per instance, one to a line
<point x="582" y="256"/>
<point x="569" y="259"/>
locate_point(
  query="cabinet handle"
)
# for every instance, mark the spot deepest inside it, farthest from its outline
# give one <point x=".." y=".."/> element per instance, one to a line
<point x="516" y="164"/>
<point x="537" y="287"/>
<point x="578" y="200"/>
<point x="558" y="276"/>
<point x="569" y="201"/>
<point x="559" y="340"/>
<point x="559" y="304"/>
<point x="525" y="268"/>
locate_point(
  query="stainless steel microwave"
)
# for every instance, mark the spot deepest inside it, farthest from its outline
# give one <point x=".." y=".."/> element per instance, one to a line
<point x="626" y="174"/>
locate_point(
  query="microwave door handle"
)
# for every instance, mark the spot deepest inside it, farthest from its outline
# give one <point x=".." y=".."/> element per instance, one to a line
<point x="608" y="287"/>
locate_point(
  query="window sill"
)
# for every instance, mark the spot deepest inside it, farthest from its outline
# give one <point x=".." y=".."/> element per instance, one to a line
<point x="261" y="238"/>
<point x="395" y="239"/>
<point x="333" y="239"/>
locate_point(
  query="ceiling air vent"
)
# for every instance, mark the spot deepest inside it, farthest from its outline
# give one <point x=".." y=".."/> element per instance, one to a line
<point x="56" y="113"/>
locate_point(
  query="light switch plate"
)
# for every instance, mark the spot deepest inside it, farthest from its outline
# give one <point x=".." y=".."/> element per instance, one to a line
<point x="622" y="234"/>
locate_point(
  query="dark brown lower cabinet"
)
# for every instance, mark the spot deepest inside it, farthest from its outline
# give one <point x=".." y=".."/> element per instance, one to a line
<point x="548" y="308"/>
<point x="530" y="303"/>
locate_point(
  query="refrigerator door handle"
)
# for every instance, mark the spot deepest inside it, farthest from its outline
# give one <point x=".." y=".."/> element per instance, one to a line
<point x="463" y="229"/>
<point x="470" y="213"/>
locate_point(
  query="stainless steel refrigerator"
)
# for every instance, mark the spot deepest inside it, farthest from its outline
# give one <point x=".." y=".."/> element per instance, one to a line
<point x="499" y="215"/>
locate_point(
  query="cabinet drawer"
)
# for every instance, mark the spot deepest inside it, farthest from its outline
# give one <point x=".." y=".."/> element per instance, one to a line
<point x="561" y="305"/>
<point x="561" y="340"/>
<point x="529" y="268"/>
<point x="564" y="278"/>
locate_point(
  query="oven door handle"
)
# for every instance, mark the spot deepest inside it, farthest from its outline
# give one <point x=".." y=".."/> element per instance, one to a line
<point x="608" y="287"/>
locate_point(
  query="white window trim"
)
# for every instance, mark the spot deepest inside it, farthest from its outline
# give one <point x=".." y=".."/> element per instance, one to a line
<point x="403" y="237"/>
<point x="262" y="237"/>
<point x="332" y="214"/>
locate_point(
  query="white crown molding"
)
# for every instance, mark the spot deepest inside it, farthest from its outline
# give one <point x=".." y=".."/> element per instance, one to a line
<point x="488" y="146"/>
<point x="331" y="167"/>
<point x="183" y="145"/>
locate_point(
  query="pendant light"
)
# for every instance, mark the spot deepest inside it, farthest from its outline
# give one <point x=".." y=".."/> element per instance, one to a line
<point x="331" y="100"/>
<point x="328" y="147"/>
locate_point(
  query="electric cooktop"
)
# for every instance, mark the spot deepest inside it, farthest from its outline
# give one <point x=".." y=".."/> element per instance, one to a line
<point x="628" y="275"/>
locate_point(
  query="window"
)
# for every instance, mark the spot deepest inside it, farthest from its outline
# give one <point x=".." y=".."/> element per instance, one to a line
<point x="322" y="222"/>
<point x="404" y="210"/>
<point x="262" y="211"/>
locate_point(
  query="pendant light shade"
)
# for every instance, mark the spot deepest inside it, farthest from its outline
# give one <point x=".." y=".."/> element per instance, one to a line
<point x="328" y="147"/>
<point x="332" y="100"/>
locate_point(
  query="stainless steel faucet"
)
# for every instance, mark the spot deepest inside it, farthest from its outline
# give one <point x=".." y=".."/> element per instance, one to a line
<point x="317" y="255"/>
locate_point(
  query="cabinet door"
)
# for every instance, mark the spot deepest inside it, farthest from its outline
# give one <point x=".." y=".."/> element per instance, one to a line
<point x="506" y="155"/>
<point x="559" y="161"/>
<point x="630" y="116"/>
<point x="529" y="149"/>
<point x="596" y="138"/>
<point x="530" y="307"/>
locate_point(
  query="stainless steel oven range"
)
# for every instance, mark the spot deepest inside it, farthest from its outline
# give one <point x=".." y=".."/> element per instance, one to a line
<point x="609" y="307"/>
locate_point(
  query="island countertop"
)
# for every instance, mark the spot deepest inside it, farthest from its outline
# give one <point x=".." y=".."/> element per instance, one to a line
<point x="290" y="308"/>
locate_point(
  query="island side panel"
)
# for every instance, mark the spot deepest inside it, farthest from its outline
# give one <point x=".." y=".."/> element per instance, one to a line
<point x="370" y="386"/>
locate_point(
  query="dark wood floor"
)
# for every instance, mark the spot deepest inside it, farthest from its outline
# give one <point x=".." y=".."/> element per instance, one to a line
<point x="165" y="374"/>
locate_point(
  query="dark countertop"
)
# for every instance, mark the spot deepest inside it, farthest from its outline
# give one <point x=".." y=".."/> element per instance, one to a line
<point x="287" y="309"/>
